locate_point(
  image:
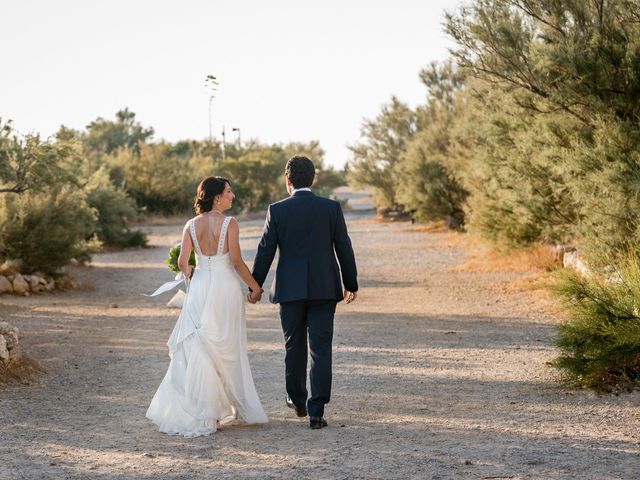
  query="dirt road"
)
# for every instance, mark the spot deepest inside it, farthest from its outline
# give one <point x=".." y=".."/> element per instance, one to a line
<point x="439" y="374"/>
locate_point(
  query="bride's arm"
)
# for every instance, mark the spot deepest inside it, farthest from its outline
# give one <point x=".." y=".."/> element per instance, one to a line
<point x="233" y="236"/>
<point x="185" y="252"/>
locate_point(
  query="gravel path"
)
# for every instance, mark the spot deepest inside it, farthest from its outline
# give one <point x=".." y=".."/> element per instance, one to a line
<point x="439" y="373"/>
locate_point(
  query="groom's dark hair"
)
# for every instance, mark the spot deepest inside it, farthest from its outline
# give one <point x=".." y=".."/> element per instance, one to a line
<point x="300" y="171"/>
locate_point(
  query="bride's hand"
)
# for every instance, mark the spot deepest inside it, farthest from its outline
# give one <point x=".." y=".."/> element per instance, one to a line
<point x="254" y="296"/>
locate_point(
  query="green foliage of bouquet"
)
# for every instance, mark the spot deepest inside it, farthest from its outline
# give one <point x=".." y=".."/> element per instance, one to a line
<point x="172" y="261"/>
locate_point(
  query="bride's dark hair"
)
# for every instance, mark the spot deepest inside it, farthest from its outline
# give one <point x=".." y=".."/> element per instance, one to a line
<point x="208" y="190"/>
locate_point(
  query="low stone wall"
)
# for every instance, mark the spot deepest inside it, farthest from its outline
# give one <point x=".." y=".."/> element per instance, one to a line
<point x="9" y="343"/>
<point x="25" y="284"/>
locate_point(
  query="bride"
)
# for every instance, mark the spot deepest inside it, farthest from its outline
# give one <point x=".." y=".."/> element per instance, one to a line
<point x="208" y="382"/>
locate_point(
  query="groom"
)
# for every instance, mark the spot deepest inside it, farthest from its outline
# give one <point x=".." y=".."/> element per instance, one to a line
<point x="310" y="232"/>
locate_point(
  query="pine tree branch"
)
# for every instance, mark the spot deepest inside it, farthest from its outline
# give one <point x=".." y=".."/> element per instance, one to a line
<point x="531" y="88"/>
<point x="541" y="194"/>
<point x="520" y="74"/>
<point x="525" y="7"/>
<point x="611" y="215"/>
<point x="14" y="189"/>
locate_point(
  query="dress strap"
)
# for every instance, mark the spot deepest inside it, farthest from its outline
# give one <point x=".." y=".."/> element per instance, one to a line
<point x="192" y="229"/>
<point x="223" y="235"/>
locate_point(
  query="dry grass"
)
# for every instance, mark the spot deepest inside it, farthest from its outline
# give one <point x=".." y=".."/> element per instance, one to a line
<point x="457" y="239"/>
<point x="431" y="227"/>
<point x="536" y="281"/>
<point x="22" y="370"/>
<point x="539" y="261"/>
<point x="539" y="258"/>
<point x="393" y="217"/>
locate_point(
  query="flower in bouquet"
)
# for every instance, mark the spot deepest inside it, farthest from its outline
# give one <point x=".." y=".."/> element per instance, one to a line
<point x="172" y="261"/>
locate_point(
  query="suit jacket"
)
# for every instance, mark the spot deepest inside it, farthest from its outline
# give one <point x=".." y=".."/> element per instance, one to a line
<point x="310" y="232"/>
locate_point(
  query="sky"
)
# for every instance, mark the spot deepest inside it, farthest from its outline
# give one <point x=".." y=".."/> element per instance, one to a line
<point x="287" y="70"/>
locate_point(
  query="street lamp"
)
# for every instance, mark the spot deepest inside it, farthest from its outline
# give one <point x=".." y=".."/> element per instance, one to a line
<point x="224" y="145"/>
<point x="211" y="82"/>
<point x="237" y="130"/>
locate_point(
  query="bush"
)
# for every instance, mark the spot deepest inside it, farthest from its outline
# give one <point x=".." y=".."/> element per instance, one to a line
<point x="162" y="177"/>
<point x="47" y="230"/>
<point x="115" y="210"/>
<point x="327" y="179"/>
<point x="375" y="158"/>
<point x="426" y="178"/>
<point x="257" y="177"/>
<point x="600" y="345"/>
<point x="157" y="178"/>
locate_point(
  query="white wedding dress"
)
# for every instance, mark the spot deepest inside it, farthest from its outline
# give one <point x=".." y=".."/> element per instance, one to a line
<point x="208" y="382"/>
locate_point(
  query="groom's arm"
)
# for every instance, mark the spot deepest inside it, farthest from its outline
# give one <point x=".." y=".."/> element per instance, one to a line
<point x="344" y="252"/>
<point x="266" y="250"/>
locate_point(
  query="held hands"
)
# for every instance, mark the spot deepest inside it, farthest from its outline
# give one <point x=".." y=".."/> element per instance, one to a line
<point x="255" y="295"/>
<point x="349" y="296"/>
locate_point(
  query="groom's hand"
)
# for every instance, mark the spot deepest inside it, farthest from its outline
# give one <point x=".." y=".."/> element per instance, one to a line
<point x="254" y="296"/>
<point x="349" y="296"/>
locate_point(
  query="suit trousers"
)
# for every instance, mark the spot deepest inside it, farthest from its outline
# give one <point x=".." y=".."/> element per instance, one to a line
<point x="298" y="318"/>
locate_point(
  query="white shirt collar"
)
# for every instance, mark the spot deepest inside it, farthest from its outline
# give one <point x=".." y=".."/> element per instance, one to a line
<point x="303" y="189"/>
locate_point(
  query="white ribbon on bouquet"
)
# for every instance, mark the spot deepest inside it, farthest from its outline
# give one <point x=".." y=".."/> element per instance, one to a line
<point x="165" y="287"/>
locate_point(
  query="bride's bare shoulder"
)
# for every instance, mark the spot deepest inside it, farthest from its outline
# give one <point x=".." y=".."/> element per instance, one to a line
<point x="233" y="222"/>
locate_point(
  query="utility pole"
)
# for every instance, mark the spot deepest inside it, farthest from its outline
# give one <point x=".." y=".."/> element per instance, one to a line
<point x="211" y="82"/>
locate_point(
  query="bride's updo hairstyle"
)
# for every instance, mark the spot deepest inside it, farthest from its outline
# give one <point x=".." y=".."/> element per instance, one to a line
<point x="208" y="190"/>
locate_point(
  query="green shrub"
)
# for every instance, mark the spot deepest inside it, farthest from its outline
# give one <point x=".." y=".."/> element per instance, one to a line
<point x="257" y="177"/>
<point x="327" y="179"/>
<point x="47" y="230"/>
<point x="427" y="182"/>
<point x="375" y="158"/>
<point x="115" y="210"/>
<point x="155" y="177"/>
<point x="600" y="345"/>
<point x="29" y="163"/>
<point x="553" y="132"/>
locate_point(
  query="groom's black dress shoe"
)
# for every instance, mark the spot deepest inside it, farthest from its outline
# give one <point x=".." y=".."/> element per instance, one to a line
<point x="300" y="411"/>
<point x="317" y="422"/>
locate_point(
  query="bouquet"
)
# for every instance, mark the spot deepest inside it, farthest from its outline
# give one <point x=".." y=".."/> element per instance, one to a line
<point x="172" y="261"/>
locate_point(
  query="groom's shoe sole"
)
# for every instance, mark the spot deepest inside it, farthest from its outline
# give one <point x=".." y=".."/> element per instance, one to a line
<point x="316" y="423"/>
<point x="301" y="412"/>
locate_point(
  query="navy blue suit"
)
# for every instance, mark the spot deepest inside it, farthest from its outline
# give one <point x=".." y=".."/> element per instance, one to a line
<point x="311" y="236"/>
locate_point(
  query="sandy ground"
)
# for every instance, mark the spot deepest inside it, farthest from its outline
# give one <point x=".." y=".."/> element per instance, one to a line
<point x="439" y="373"/>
